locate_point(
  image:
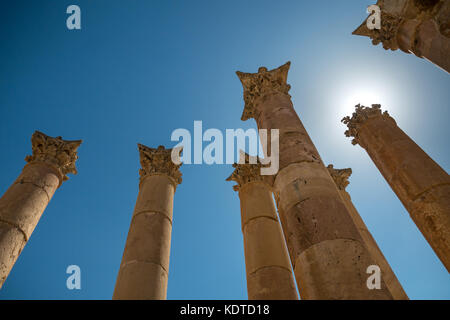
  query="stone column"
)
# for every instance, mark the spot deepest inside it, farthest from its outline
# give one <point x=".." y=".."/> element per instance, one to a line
<point x="144" y="268"/>
<point x="24" y="202"/>
<point x="269" y="273"/>
<point x="340" y="177"/>
<point x="420" y="183"/>
<point x="418" y="27"/>
<point x="328" y="255"/>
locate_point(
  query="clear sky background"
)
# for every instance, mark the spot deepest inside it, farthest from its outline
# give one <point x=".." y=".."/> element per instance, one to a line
<point x="139" y="69"/>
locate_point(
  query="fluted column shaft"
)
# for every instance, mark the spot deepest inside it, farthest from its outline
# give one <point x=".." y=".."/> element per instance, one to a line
<point x="23" y="203"/>
<point x="144" y="269"/>
<point x="420" y="183"/>
<point x="268" y="269"/>
<point x="328" y="254"/>
<point x="340" y="177"/>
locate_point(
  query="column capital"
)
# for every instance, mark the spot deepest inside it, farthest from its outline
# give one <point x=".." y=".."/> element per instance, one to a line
<point x="386" y="35"/>
<point x="360" y="116"/>
<point x="158" y="161"/>
<point x="248" y="172"/>
<point x="398" y="17"/>
<point x="262" y="84"/>
<point x="61" y="154"/>
<point x="340" y="176"/>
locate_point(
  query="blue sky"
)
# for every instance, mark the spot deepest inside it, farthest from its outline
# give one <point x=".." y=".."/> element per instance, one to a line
<point x="140" y="69"/>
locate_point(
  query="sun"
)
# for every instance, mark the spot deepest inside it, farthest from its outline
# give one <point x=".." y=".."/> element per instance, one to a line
<point x="347" y="94"/>
<point x="363" y="95"/>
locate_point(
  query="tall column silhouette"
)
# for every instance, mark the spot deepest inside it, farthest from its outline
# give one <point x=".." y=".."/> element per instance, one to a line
<point x="418" y="27"/>
<point x="269" y="273"/>
<point x="340" y="177"/>
<point x="420" y="183"/>
<point x="144" y="269"/>
<point x="23" y="203"/>
<point x="329" y="257"/>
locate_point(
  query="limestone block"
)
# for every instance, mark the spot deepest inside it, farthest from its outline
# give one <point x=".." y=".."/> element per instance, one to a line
<point x="431" y="211"/>
<point x="24" y="202"/>
<point x="270" y="284"/>
<point x="149" y="239"/>
<point x="141" y="281"/>
<point x="256" y="201"/>
<point x="327" y="271"/>
<point x="12" y="241"/>
<point x="264" y="245"/>
<point x="156" y="195"/>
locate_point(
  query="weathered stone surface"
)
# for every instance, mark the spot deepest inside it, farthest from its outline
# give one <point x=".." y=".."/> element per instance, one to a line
<point x="277" y="112"/>
<point x="24" y="202"/>
<point x="140" y="280"/>
<point x="269" y="273"/>
<point x="317" y="266"/>
<point x="340" y="177"/>
<point x="419" y="27"/>
<point x="149" y="239"/>
<point x="55" y="151"/>
<point x="271" y="283"/>
<point x="263" y="245"/>
<point x="259" y="86"/>
<point x="309" y="204"/>
<point x="359" y="118"/>
<point x="144" y="268"/>
<point x="12" y="241"/>
<point x="156" y="195"/>
<point x="431" y="213"/>
<point x="248" y="171"/>
<point x="158" y="161"/>
<point x="254" y="205"/>
<point x="431" y="44"/>
<point x="310" y="207"/>
<point x="419" y="182"/>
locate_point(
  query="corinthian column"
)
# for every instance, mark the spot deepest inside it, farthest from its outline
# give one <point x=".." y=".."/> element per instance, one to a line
<point x="144" y="268"/>
<point x="418" y="27"/>
<point x="269" y="273"/>
<point x="24" y="202"/>
<point x="420" y="183"/>
<point x="328" y="255"/>
<point x="340" y="177"/>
